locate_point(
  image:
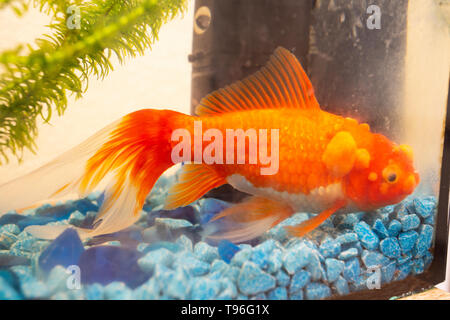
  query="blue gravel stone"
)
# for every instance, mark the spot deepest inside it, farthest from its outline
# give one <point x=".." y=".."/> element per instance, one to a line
<point x="388" y="271"/>
<point x="34" y="221"/>
<point x="65" y="250"/>
<point x="11" y="218"/>
<point x="57" y="279"/>
<point x="427" y="259"/>
<point x="205" y="289"/>
<point x="184" y="242"/>
<point x="12" y="228"/>
<point x="283" y="278"/>
<point x="94" y="292"/>
<point x="315" y="267"/>
<point x="252" y="280"/>
<point x="316" y="291"/>
<point x="334" y="269"/>
<point x="367" y="237"/>
<point x="347" y="254"/>
<point x="194" y="266"/>
<point x="296" y="258"/>
<point x="407" y="240"/>
<point x="347" y="238"/>
<point x="410" y="222"/>
<point x="279" y="293"/>
<point x="178" y="286"/>
<point x="424" y="241"/>
<point x="34" y="289"/>
<point x="76" y="218"/>
<point x="394" y="228"/>
<point x="380" y="229"/>
<point x="117" y="291"/>
<point x="341" y="286"/>
<point x="182" y="213"/>
<point x="275" y="262"/>
<point x="172" y="223"/>
<point x="418" y="266"/>
<point x="330" y="248"/>
<point x="171" y="246"/>
<point x="160" y="256"/>
<point x="349" y="221"/>
<point x="228" y="289"/>
<point x="205" y="252"/>
<point x="404" y="258"/>
<point x="403" y="270"/>
<point x="373" y="259"/>
<point x="147" y="291"/>
<point x="424" y="207"/>
<point x="297" y="295"/>
<point x="106" y="264"/>
<point x="241" y="256"/>
<point x="352" y="270"/>
<point x="7" y="292"/>
<point x="429" y="220"/>
<point x="390" y="248"/>
<point x="261" y="253"/>
<point x="299" y="280"/>
<point x="7" y="239"/>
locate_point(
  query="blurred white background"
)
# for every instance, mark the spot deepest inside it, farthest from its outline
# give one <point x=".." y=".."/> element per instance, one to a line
<point x="159" y="79"/>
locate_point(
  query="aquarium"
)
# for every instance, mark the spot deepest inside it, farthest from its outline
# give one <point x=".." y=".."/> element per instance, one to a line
<point x="223" y="150"/>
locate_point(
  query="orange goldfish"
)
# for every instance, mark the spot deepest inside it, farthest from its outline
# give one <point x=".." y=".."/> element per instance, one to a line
<point x="324" y="164"/>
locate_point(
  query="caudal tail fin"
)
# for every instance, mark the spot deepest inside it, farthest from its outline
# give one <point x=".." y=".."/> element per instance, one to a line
<point x="124" y="159"/>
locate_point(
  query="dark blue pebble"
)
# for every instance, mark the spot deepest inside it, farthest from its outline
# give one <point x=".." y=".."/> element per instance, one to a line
<point x="227" y="250"/>
<point x="11" y="218"/>
<point x="35" y="221"/>
<point x="106" y="264"/>
<point x="65" y="250"/>
<point x="59" y="212"/>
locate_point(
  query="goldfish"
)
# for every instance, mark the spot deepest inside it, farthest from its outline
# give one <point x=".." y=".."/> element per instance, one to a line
<point x="315" y="161"/>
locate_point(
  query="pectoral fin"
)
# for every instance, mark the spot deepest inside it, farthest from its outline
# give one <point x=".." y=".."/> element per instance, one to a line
<point x="306" y="226"/>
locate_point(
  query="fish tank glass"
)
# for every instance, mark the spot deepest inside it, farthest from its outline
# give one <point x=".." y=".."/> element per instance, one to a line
<point x="223" y="150"/>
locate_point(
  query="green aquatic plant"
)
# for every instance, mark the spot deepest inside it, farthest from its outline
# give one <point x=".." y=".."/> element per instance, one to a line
<point x="84" y="35"/>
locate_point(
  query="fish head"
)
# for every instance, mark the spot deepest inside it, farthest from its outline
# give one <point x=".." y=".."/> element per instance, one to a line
<point x="386" y="179"/>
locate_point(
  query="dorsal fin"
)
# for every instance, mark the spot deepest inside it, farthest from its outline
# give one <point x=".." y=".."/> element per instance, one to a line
<point x="281" y="83"/>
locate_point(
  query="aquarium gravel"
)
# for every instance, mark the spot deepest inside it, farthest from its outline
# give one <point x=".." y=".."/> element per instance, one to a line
<point x="163" y="255"/>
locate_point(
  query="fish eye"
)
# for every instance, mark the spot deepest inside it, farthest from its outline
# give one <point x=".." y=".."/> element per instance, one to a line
<point x="390" y="175"/>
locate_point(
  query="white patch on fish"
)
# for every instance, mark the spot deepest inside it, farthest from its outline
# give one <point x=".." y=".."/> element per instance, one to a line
<point x="316" y="201"/>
